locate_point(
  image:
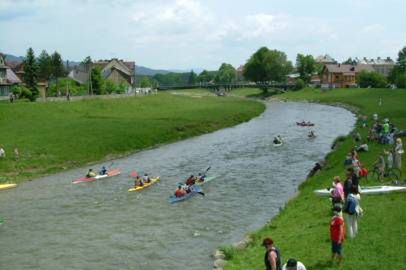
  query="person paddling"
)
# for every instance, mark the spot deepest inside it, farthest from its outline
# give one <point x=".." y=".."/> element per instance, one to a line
<point x="180" y="192"/>
<point x="90" y="173"/>
<point x="200" y="177"/>
<point x="146" y="178"/>
<point x="138" y="182"/>
<point x="103" y="171"/>
<point x="190" y="181"/>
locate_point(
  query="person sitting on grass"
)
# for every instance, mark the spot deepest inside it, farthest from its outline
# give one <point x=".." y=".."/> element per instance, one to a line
<point x="337" y="234"/>
<point x="380" y="165"/>
<point x="90" y="173"/>
<point x="292" y="264"/>
<point x="180" y="192"/>
<point x="2" y="152"/>
<point x="363" y="147"/>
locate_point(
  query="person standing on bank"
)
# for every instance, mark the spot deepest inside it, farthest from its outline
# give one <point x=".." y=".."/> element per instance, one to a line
<point x="350" y="208"/>
<point x="272" y="257"/>
<point x="337" y="235"/>
<point x="398" y="152"/>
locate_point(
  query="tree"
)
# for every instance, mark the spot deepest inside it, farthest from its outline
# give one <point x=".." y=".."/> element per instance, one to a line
<point x="398" y="73"/>
<point x="97" y="81"/>
<point x="145" y="82"/>
<point x="401" y="61"/>
<point x="31" y="73"/>
<point x="305" y="66"/>
<point x="371" y="79"/>
<point x="192" y="78"/>
<point x="44" y="66"/>
<point x="266" y="66"/>
<point x="58" y="69"/>
<point x="206" y="76"/>
<point x="87" y="65"/>
<point x="226" y="74"/>
<point x="350" y="61"/>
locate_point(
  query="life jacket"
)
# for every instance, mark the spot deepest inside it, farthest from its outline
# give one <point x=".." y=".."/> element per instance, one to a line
<point x="179" y="193"/>
<point x="278" y="259"/>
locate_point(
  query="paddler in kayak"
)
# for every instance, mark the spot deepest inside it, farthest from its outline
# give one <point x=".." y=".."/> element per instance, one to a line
<point x="103" y="171"/>
<point x="180" y="192"/>
<point x="90" y="173"/>
<point x="311" y="134"/>
<point x="190" y="181"/>
<point x="138" y="182"/>
<point x="146" y="178"/>
<point x="200" y="178"/>
<point x="277" y="140"/>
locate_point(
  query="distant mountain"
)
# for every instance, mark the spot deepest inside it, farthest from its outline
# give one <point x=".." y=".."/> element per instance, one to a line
<point x="13" y="58"/>
<point x="140" y="70"/>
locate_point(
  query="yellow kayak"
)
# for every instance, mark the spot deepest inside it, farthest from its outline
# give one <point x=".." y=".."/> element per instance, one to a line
<point x="7" y="186"/>
<point x="153" y="181"/>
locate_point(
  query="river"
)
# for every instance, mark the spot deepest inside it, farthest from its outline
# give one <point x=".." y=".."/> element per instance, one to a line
<point x="52" y="224"/>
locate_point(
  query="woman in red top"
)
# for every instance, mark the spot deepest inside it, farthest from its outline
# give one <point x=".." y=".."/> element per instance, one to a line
<point x="337" y="234"/>
<point x="180" y="192"/>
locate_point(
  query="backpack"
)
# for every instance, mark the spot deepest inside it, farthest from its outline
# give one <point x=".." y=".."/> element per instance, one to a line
<point x="350" y="205"/>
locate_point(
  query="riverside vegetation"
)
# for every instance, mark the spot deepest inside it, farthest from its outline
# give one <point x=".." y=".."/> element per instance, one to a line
<point x="301" y="230"/>
<point x="56" y="136"/>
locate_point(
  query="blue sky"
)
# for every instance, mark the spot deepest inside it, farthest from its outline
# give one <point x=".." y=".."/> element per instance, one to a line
<point x="184" y="34"/>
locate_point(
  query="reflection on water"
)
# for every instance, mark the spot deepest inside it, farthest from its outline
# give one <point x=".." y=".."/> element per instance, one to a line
<point x="52" y="224"/>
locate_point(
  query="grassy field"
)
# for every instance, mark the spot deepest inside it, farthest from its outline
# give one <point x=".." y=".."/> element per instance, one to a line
<point x="301" y="231"/>
<point x="56" y="136"/>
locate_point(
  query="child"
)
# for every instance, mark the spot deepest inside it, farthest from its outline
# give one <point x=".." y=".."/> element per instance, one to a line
<point x="337" y="234"/>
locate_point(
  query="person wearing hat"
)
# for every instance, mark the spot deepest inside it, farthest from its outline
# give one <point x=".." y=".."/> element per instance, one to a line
<point x="292" y="264"/>
<point x="337" y="234"/>
<point x="272" y="258"/>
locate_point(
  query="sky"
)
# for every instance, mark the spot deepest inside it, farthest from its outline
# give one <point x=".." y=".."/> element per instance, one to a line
<point x="186" y="34"/>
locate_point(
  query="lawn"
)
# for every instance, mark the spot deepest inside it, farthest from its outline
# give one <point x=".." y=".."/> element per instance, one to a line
<point x="301" y="231"/>
<point x="56" y="136"/>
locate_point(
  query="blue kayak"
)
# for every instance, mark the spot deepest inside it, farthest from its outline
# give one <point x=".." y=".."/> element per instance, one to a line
<point x="194" y="190"/>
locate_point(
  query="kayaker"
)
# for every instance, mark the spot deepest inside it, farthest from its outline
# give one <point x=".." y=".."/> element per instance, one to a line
<point x="138" y="182"/>
<point x="90" y="173"/>
<point x="103" y="171"/>
<point x="277" y="140"/>
<point x="311" y="134"/>
<point x="191" y="180"/>
<point x="200" y="177"/>
<point x="180" y="192"/>
<point x="146" y="178"/>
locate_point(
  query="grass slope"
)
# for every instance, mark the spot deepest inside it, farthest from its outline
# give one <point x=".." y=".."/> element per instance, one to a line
<point x="55" y="136"/>
<point x="302" y="229"/>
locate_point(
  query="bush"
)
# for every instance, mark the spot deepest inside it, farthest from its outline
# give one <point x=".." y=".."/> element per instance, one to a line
<point x="63" y="85"/>
<point x="371" y="79"/>
<point x="400" y="80"/>
<point x="22" y="92"/>
<point x="300" y="84"/>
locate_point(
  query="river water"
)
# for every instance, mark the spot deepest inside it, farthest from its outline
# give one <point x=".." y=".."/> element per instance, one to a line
<point x="51" y="224"/>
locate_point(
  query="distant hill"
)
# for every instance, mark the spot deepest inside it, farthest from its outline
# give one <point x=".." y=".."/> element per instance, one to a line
<point x="14" y="58"/>
<point x="140" y="70"/>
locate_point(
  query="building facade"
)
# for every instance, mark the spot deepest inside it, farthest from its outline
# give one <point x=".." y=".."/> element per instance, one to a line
<point x="7" y="78"/>
<point x="342" y="75"/>
<point x="380" y="65"/>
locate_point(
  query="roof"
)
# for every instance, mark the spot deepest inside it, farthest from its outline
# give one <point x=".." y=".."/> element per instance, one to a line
<point x="11" y="78"/>
<point x="79" y="75"/>
<point x="348" y="69"/>
<point x="378" y="61"/>
<point x="325" y="59"/>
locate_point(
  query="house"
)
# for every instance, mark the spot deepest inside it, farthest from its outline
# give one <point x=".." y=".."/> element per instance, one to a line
<point x="7" y="78"/>
<point x="325" y="59"/>
<point x="115" y="70"/>
<point x="341" y="75"/>
<point x="380" y="65"/>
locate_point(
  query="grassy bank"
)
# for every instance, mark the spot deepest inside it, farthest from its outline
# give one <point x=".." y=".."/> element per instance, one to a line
<point x="302" y="229"/>
<point x="56" y="136"/>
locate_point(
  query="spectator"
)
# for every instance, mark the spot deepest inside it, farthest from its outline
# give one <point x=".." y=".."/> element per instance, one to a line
<point x="272" y="257"/>
<point x="350" y="182"/>
<point x="337" y="194"/>
<point x="363" y="147"/>
<point x="356" y="137"/>
<point x="316" y="169"/>
<point x="380" y="164"/>
<point x="16" y="154"/>
<point x="292" y="264"/>
<point x="389" y="159"/>
<point x="398" y="154"/>
<point x="2" y="152"/>
<point x="350" y="208"/>
<point x="337" y="235"/>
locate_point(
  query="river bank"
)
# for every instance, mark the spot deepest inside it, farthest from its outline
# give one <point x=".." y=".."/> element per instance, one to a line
<point x="301" y="230"/>
<point x="52" y="137"/>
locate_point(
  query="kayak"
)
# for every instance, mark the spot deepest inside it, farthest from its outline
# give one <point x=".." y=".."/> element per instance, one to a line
<point x="365" y="190"/>
<point x="308" y="124"/>
<point x="206" y="180"/>
<point x="110" y="173"/>
<point x="7" y="186"/>
<point x="194" y="190"/>
<point x="153" y="181"/>
<point x="277" y="144"/>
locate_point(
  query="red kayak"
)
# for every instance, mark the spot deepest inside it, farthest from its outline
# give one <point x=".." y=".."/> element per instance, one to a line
<point x="110" y="173"/>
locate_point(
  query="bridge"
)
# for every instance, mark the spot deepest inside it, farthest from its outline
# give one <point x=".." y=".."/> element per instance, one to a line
<point x="277" y="87"/>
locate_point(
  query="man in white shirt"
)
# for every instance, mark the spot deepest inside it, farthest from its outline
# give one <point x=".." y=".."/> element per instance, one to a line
<point x="292" y="264"/>
<point x="2" y="152"/>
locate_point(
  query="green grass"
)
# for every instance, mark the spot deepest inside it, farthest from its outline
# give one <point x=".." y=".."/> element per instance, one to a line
<point x="301" y="231"/>
<point x="57" y="136"/>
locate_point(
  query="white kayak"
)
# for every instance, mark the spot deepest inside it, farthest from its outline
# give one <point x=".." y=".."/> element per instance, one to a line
<point x="365" y="190"/>
<point x="277" y="144"/>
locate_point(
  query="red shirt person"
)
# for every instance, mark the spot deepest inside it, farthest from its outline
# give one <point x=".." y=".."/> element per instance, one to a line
<point x="337" y="234"/>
